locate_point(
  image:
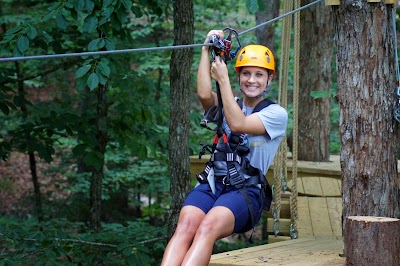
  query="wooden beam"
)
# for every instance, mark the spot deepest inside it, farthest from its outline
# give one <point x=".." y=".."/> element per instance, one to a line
<point x="390" y="2"/>
<point x="332" y="2"/>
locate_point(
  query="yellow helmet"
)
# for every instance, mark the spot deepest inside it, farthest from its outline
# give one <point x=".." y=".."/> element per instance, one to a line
<point x="255" y="55"/>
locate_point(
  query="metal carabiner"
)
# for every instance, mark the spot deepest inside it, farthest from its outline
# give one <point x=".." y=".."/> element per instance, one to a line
<point x="222" y="48"/>
<point x="229" y="54"/>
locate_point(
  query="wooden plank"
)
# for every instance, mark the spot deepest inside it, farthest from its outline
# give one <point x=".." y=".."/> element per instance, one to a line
<point x="330" y="187"/>
<point x="332" y="2"/>
<point x="243" y="254"/>
<point x="308" y="251"/>
<point x="283" y="226"/>
<point x="335" y="215"/>
<point x="320" y="221"/>
<point x="304" y="227"/>
<point x="312" y="186"/>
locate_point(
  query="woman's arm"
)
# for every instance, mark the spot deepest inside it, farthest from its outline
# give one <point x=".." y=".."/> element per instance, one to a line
<point x="236" y="120"/>
<point x="207" y="97"/>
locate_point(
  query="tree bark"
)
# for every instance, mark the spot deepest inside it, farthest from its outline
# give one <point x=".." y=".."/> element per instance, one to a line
<point x="96" y="182"/>
<point x="366" y="95"/>
<point x="372" y="241"/>
<point x="316" y="47"/>
<point x="265" y="35"/>
<point x="181" y="61"/>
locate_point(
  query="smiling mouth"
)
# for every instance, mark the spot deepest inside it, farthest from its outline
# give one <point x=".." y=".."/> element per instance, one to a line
<point x="252" y="87"/>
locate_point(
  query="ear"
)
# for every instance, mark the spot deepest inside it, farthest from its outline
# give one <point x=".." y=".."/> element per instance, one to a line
<point x="270" y="76"/>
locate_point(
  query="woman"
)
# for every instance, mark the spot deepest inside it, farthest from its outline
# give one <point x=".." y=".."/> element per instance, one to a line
<point x="209" y="215"/>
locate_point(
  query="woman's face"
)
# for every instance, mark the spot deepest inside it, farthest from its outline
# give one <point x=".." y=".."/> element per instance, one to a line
<point x="253" y="80"/>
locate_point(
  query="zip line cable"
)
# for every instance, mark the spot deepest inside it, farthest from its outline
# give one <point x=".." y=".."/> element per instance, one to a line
<point x="51" y="56"/>
<point x="171" y="47"/>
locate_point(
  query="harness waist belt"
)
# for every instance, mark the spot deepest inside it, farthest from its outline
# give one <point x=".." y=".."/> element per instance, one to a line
<point x="252" y="181"/>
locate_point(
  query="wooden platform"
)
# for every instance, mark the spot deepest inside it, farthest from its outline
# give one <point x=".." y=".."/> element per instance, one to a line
<point x="319" y="224"/>
<point x="299" y="252"/>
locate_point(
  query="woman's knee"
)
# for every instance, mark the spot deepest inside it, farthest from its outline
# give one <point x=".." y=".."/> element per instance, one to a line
<point x="217" y="224"/>
<point x="189" y="221"/>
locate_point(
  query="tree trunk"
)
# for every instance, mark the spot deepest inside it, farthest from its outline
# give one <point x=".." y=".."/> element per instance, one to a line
<point x="316" y="45"/>
<point x="372" y="241"/>
<point x="368" y="132"/>
<point x="265" y="35"/>
<point x="98" y="173"/>
<point x="181" y="61"/>
<point x="31" y="154"/>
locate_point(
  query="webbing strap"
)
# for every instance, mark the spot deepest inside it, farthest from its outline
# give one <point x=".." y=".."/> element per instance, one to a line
<point x="202" y="177"/>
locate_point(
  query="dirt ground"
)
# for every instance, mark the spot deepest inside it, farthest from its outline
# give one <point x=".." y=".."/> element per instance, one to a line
<point x="16" y="186"/>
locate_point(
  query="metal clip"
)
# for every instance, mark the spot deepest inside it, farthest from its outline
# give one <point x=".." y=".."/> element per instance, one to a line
<point x="294" y="234"/>
<point x="284" y="183"/>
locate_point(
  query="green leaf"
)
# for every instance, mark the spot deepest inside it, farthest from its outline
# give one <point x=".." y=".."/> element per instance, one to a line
<point x="79" y="5"/>
<point x="127" y="251"/>
<point x="122" y="246"/>
<point x="16" y="52"/>
<point x="320" y="94"/>
<point x="89" y="6"/>
<point x="105" y="69"/>
<point x="127" y="4"/>
<point x="139" y="150"/>
<point x="32" y="33"/>
<point x="94" y="159"/>
<point x="93" y="81"/>
<point x="79" y="150"/>
<point x="109" y="45"/>
<point x="252" y="6"/>
<point x="61" y="21"/>
<point x="90" y="23"/>
<point x="106" y="3"/>
<point x="82" y="71"/>
<point x="261" y="5"/>
<point x="20" y="100"/>
<point x="102" y="79"/>
<point x="94" y="45"/>
<point x="49" y="15"/>
<point x="23" y="43"/>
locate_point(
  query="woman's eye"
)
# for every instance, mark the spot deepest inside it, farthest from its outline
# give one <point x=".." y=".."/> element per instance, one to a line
<point x="259" y="75"/>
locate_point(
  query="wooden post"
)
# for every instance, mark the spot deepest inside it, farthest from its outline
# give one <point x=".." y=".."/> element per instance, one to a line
<point x="372" y="241"/>
<point x="332" y="2"/>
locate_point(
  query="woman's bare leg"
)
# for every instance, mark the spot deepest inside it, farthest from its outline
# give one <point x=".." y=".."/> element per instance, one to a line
<point x="188" y="223"/>
<point x="218" y="223"/>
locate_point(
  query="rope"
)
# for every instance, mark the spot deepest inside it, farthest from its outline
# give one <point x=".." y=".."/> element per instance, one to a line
<point x="280" y="158"/>
<point x="296" y="69"/>
<point x="53" y="56"/>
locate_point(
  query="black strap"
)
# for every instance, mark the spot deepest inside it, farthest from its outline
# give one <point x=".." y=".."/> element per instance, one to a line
<point x="261" y="105"/>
